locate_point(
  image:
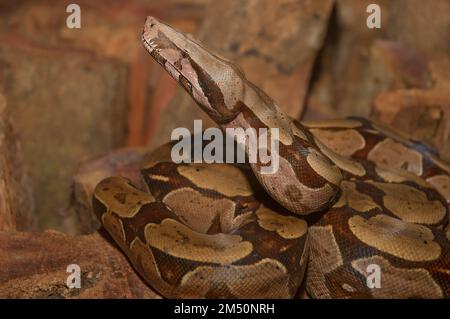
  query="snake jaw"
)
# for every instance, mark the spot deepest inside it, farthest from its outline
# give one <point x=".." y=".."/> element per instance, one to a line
<point x="149" y="46"/>
<point x="213" y="82"/>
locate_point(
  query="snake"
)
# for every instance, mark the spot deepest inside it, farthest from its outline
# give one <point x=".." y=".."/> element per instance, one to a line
<point x="356" y="208"/>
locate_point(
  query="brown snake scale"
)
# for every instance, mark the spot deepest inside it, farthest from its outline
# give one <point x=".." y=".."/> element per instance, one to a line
<point x="348" y="194"/>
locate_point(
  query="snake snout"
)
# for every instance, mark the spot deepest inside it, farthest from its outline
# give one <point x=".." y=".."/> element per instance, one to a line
<point x="150" y="31"/>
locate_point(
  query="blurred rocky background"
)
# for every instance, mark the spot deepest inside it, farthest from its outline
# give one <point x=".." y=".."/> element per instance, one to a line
<point x="77" y="105"/>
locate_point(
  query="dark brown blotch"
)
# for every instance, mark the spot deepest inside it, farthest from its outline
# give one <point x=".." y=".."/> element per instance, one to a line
<point x="121" y="197"/>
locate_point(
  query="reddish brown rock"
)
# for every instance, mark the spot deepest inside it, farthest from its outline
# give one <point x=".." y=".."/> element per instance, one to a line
<point x="125" y="162"/>
<point x="277" y="49"/>
<point x="395" y="66"/>
<point x="113" y="30"/>
<point x="338" y="88"/>
<point x="354" y="67"/>
<point x="79" y="93"/>
<point x="67" y="106"/>
<point x="421" y="25"/>
<point x="34" y="265"/>
<point x="424" y="113"/>
<point x="16" y="203"/>
<point x="110" y="30"/>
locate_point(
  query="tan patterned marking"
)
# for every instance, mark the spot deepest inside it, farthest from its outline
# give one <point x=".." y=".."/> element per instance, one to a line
<point x="120" y="197"/>
<point x="143" y="253"/>
<point x="442" y="185"/>
<point x="372" y="131"/>
<point x="288" y="227"/>
<point x="114" y="226"/>
<point x="290" y="192"/>
<point x="353" y="198"/>
<point x="293" y="193"/>
<point x="298" y="132"/>
<point x="344" y="142"/>
<point x="339" y="123"/>
<point x="219" y="177"/>
<point x="348" y="288"/>
<point x="342" y="162"/>
<point x="392" y="132"/>
<point x="440" y="163"/>
<point x="180" y="241"/>
<point x="325" y="257"/>
<point x="143" y="258"/>
<point x="324" y="252"/>
<point x="196" y="210"/>
<point x="396" y="155"/>
<point x="393" y="236"/>
<point x="160" y="178"/>
<point x="322" y="166"/>
<point x="268" y="278"/>
<point x="160" y="155"/>
<point x="271" y="117"/>
<point x="399" y="283"/>
<point x="230" y="222"/>
<point x="410" y="204"/>
<point x="395" y="175"/>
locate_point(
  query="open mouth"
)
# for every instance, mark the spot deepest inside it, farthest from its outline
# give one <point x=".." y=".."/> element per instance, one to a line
<point x="154" y="51"/>
<point x="149" y="46"/>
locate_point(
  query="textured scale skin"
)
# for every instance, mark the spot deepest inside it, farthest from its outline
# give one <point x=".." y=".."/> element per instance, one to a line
<point x="349" y="193"/>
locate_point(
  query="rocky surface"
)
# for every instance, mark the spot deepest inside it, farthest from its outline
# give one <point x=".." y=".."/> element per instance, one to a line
<point x="125" y="162"/>
<point x="16" y="201"/>
<point x="34" y="265"/>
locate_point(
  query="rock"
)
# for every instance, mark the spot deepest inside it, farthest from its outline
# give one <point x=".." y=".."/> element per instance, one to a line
<point x="338" y="87"/>
<point x="79" y="93"/>
<point x="34" y="265"/>
<point x="422" y="26"/>
<point x="16" y="202"/>
<point x="424" y="113"/>
<point x="125" y="162"/>
<point x="354" y="66"/>
<point x="66" y="106"/>
<point x="110" y="30"/>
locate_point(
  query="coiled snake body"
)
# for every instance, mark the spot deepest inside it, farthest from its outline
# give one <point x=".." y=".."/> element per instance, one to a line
<point x="349" y="195"/>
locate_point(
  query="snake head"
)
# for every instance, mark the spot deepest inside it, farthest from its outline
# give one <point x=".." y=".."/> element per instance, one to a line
<point x="215" y="83"/>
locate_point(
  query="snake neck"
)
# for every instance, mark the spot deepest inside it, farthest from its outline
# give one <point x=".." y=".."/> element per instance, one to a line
<point x="221" y="89"/>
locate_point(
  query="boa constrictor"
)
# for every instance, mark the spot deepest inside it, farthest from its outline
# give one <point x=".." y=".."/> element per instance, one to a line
<point x="348" y="195"/>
